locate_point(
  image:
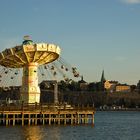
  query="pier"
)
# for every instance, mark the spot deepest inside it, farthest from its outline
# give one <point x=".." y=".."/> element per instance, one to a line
<point x="39" y="114"/>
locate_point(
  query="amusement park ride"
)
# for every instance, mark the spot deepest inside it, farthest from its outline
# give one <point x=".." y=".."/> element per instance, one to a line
<point x="34" y="62"/>
<point x="27" y="65"/>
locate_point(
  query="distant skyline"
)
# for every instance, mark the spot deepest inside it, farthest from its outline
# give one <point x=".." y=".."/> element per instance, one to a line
<point x="94" y="35"/>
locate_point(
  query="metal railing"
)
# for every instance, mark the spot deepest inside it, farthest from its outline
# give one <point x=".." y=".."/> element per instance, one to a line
<point x="43" y="107"/>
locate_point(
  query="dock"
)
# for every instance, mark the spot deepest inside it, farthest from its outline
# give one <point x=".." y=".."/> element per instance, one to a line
<point x="44" y="114"/>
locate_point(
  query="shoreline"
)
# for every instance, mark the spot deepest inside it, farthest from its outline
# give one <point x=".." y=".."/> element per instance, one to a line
<point x="125" y="109"/>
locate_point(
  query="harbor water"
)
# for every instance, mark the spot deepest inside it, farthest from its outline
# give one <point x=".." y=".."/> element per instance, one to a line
<point x="117" y="125"/>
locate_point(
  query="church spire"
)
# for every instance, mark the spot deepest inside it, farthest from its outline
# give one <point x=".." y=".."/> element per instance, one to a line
<point x="103" y="77"/>
<point x="102" y="81"/>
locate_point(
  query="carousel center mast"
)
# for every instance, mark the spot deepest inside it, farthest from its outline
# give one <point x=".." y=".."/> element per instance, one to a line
<point x="29" y="56"/>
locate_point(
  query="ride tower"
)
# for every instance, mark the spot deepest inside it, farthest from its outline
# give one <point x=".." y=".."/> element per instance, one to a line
<point x="29" y="56"/>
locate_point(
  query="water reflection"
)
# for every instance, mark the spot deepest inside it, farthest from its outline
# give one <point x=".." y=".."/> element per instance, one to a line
<point x="33" y="133"/>
<point x="54" y="133"/>
<point x="41" y="132"/>
<point x="108" y="126"/>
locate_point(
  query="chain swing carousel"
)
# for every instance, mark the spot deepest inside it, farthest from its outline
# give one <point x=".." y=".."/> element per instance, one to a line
<point x="34" y="62"/>
<point x="27" y="65"/>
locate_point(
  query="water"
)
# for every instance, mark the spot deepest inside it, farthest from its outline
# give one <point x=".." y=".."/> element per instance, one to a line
<point x="108" y="126"/>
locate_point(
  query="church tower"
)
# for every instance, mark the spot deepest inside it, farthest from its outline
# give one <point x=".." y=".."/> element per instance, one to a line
<point x="102" y="77"/>
<point x="102" y="81"/>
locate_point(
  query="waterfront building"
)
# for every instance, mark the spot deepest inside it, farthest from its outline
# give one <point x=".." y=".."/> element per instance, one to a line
<point x="123" y="88"/>
<point x="110" y="85"/>
<point x="114" y="86"/>
<point x="83" y="84"/>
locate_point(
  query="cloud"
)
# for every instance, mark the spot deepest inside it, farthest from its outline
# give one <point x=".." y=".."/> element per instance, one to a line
<point x="131" y="1"/>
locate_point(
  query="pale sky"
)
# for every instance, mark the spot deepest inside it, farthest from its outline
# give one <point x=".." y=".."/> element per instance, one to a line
<point x="93" y="34"/>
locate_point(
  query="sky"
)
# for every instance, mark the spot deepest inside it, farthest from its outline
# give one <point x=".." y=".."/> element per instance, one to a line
<point x="94" y="35"/>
